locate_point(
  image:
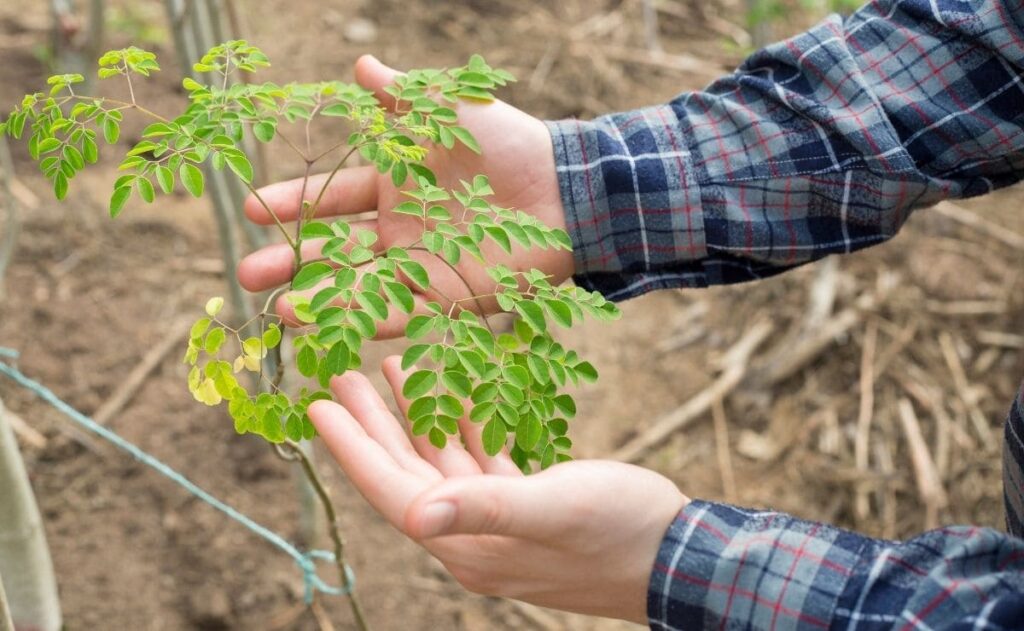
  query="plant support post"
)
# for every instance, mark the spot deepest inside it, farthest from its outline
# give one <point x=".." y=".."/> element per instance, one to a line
<point x="25" y="564"/>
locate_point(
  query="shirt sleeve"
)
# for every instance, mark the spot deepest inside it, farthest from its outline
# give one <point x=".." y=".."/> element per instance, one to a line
<point x="722" y="567"/>
<point x="817" y="145"/>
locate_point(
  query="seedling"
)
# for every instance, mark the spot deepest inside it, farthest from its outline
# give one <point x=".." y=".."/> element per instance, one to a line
<point x="510" y="382"/>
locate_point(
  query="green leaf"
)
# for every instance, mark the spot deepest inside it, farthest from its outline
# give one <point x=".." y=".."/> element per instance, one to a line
<point x="419" y="326"/>
<point x="311" y="274"/>
<point x="399" y="173"/>
<point x="565" y="405"/>
<point x="538" y="368"/>
<point x="482" y="412"/>
<point x="60" y="186"/>
<point x="500" y="236"/>
<point x="165" y="177"/>
<point x="272" y="336"/>
<point x="494" y="436"/>
<point x="511" y="393"/>
<point x="450" y="406"/>
<point x="528" y="432"/>
<point x="47" y="145"/>
<point x="560" y="312"/>
<point x="532" y="314"/>
<point x="373" y="304"/>
<point x="111" y="130"/>
<point x="586" y="371"/>
<point x="465" y="138"/>
<point x="457" y="383"/>
<point x="306" y="361"/>
<point x="145" y="188"/>
<point x="558" y="427"/>
<point x="337" y="359"/>
<point x="324" y="297"/>
<point x="317" y="230"/>
<point x="264" y="131"/>
<point x="413" y="354"/>
<point x="438" y="438"/>
<point x="422" y="425"/>
<point x="118" y="200"/>
<point x="419" y="383"/>
<point x="363" y="323"/>
<point x="338" y="109"/>
<point x="192" y="179"/>
<point x="422" y="172"/>
<point x="517" y="376"/>
<point x="548" y="457"/>
<point x="240" y="165"/>
<point x="400" y="296"/>
<point x="416" y="272"/>
<point x="214" y="306"/>
<point x="293" y="427"/>
<point x="421" y="407"/>
<point x="214" y="340"/>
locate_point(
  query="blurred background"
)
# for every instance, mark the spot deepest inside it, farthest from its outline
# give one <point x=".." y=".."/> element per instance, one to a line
<point x="921" y="337"/>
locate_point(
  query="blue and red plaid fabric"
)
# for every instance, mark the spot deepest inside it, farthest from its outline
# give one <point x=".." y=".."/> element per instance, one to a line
<point x="821" y="144"/>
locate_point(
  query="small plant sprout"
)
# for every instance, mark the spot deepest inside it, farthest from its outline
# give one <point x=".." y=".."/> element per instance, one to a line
<point x="510" y="382"/>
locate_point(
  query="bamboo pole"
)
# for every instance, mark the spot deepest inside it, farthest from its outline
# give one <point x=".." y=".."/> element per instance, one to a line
<point x="12" y="225"/>
<point x="184" y="17"/>
<point x="32" y="597"/>
<point x="6" y="624"/>
<point x="197" y="25"/>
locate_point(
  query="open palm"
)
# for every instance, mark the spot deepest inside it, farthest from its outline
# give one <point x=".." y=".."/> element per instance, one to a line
<point x="580" y="536"/>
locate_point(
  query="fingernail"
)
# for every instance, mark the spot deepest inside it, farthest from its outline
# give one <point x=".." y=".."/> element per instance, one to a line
<point x="437" y="517"/>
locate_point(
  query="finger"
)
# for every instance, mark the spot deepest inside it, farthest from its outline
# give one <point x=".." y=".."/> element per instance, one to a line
<point x="274" y="265"/>
<point x="352" y="190"/>
<point x="525" y="507"/>
<point x="355" y="392"/>
<point x="453" y="459"/>
<point x="373" y="75"/>
<point x="388" y="487"/>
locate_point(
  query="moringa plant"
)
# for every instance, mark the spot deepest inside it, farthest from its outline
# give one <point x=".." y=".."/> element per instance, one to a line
<point x="510" y="382"/>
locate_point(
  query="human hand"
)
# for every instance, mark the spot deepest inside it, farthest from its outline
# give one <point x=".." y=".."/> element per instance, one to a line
<point x="516" y="155"/>
<point x="580" y="536"/>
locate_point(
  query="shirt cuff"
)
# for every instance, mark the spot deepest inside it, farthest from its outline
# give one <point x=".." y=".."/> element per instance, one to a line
<point x="719" y="565"/>
<point x="631" y="198"/>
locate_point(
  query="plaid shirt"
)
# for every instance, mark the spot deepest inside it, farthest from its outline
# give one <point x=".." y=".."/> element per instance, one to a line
<point x="821" y="144"/>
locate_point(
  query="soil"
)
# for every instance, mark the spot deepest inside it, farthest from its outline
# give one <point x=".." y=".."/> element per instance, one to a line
<point x="87" y="297"/>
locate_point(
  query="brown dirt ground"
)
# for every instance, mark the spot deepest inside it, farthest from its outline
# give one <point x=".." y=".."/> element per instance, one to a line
<point x="87" y="297"/>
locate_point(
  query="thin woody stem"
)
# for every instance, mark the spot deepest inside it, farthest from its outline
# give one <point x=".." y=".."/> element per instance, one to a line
<point x="472" y="296"/>
<point x="248" y="186"/>
<point x="295" y="452"/>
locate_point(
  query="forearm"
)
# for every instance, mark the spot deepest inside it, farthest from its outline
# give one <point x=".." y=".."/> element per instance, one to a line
<point x="725" y="567"/>
<point x="821" y="144"/>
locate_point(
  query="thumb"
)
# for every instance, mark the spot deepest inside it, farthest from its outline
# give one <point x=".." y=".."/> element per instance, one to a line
<point x="492" y="505"/>
<point x="373" y="75"/>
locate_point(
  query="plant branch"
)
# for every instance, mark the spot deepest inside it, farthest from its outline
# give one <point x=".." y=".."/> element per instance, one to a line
<point x="327" y="183"/>
<point x="472" y="296"/>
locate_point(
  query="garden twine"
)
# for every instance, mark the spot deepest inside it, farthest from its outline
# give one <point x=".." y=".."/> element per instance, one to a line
<point x="305" y="560"/>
